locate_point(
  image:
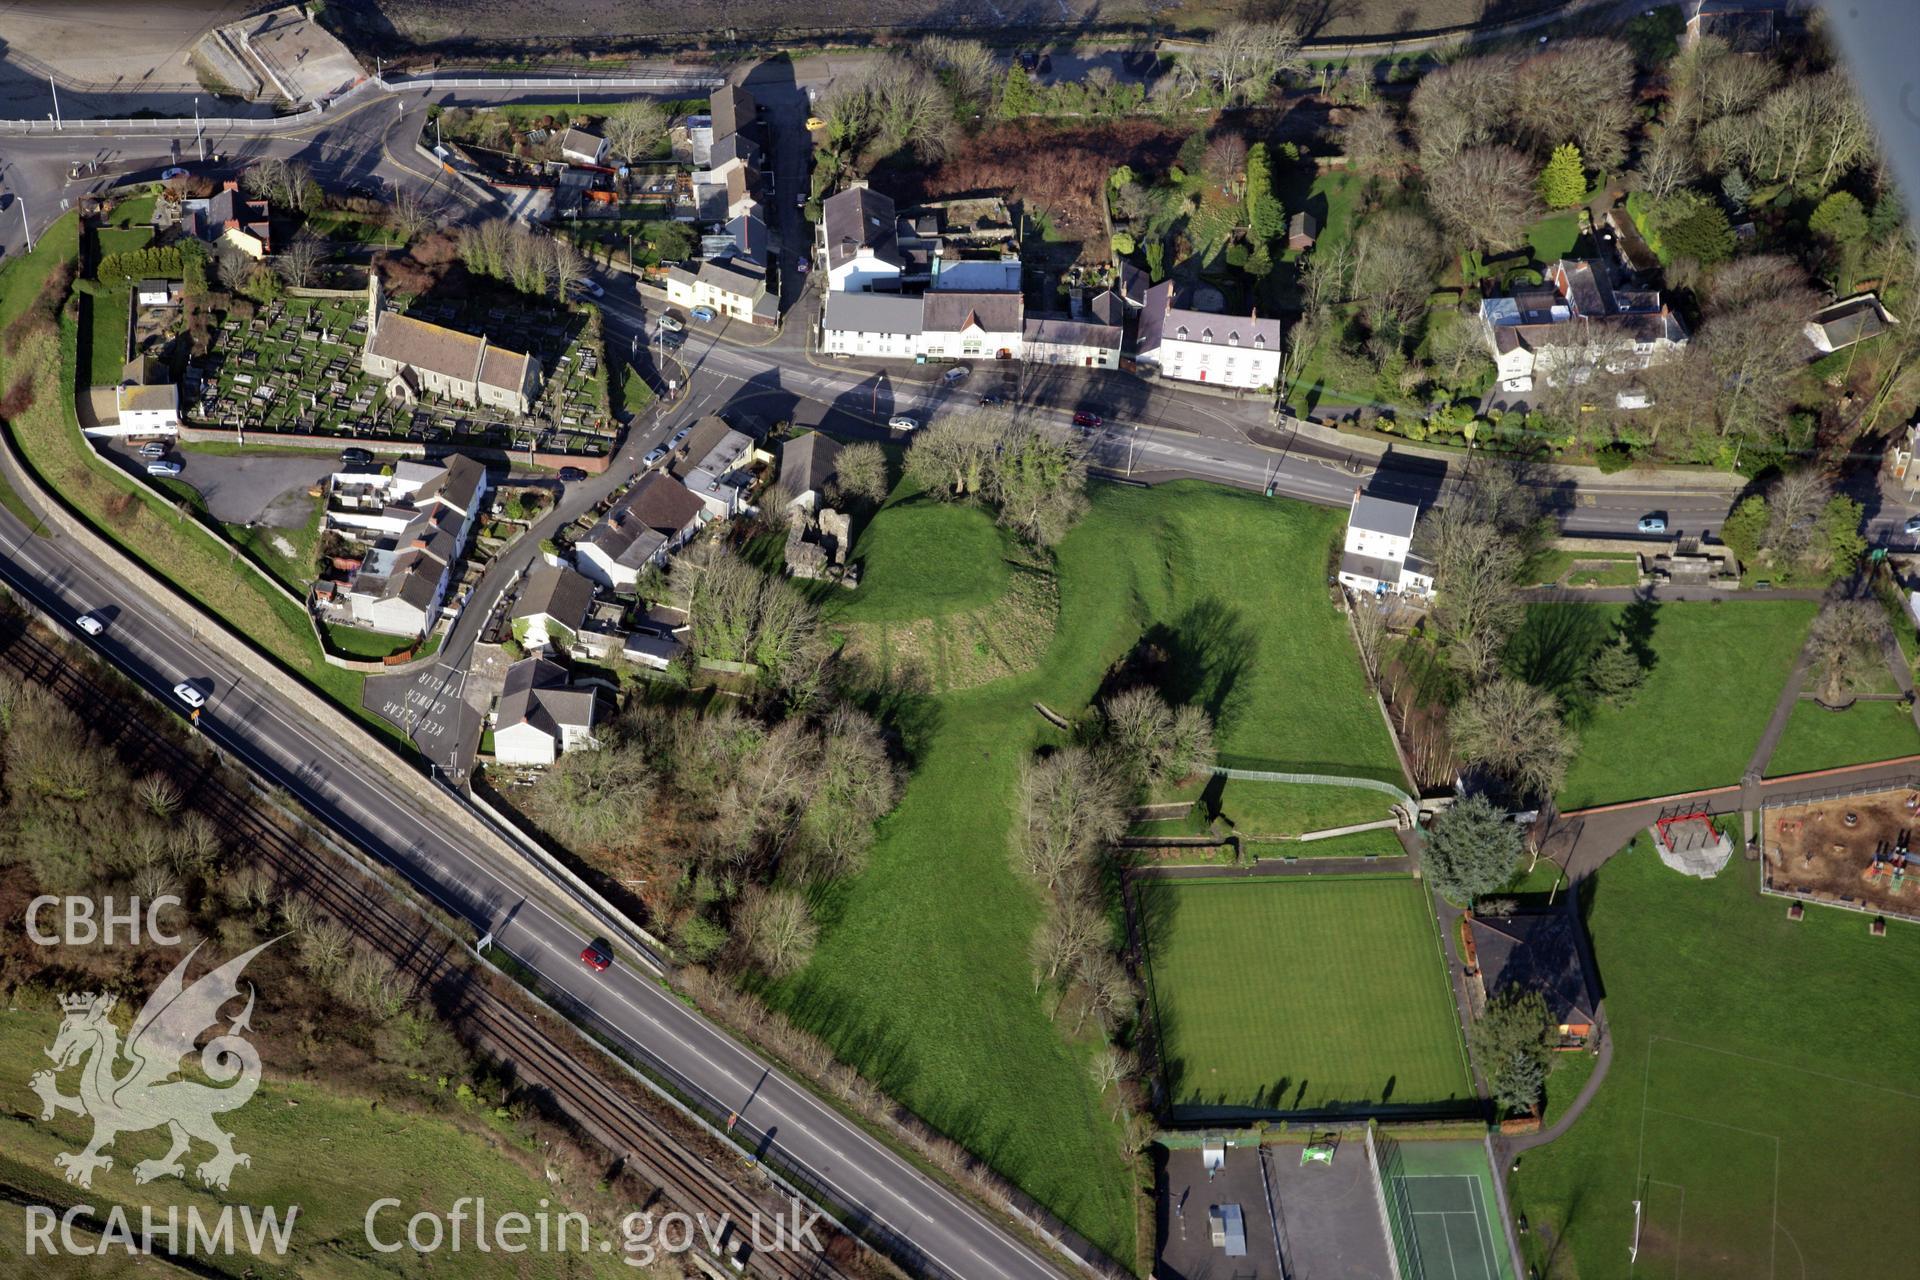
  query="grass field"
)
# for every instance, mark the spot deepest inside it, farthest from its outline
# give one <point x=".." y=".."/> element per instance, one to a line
<point x="921" y="558"/>
<point x="1602" y="570"/>
<point x="104" y="326"/>
<point x="1257" y="808"/>
<point x="1761" y="1088"/>
<point x="1864" y="732"/>
<point x="1717" y="669"/>
<point x="1553" y="237"/>
<point x="921" y="978"/>
<point x="322" y="1149"/>
<point x="1301" y="994"/>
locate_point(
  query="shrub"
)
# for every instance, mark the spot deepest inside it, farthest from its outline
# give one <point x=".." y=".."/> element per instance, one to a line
<point x="1613" y="458"/>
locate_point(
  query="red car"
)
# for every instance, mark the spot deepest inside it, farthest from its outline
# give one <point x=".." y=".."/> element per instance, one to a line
<point x="597" y="955"/>
<point x="1084" y="419"/>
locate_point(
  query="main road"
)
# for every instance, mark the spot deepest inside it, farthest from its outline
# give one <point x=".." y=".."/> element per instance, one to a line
<point x="944" y="1234"/>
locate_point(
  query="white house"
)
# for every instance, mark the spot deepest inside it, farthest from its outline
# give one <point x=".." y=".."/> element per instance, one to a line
<point x="1379" y="555"/>
<point x="1200" y="346"/>
<point x="551" y="608"/>
<point x="146" y="409"/>
<point x="580" y="147"/>
<point x="713" y="464"/>
<point x="386" y="502"/>
<point x="657" y="515"/>
<point x="416" y="521"/>
<point x="886" y="325"/>
<point x="860" y="241"/>
<point x="1846" y="322"/>
<point x="538" y="717"/>
<point x="727" y="287"/>
<point x="1062" y="340"/>
<point x="1576" y="321"/>
<point x="957" y="323"/>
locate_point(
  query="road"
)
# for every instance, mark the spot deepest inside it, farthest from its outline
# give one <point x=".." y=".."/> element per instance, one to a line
<point x="267" y="733"/>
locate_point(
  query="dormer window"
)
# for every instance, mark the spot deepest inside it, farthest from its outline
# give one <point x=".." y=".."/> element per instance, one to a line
<point x="1233" y="339"/>
<point x="1206" y="335"/>
<point x="1182" y="334"/>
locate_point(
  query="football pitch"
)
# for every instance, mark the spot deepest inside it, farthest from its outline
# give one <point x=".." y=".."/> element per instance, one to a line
<point x="1296" y="993"/>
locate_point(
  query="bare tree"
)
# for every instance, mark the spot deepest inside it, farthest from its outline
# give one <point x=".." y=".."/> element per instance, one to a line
<point x="1225" y="161"/>
<point x="1070" y="809"/>
<point x="1072" y="929"/>
<point x="856" y="783"/>
<point x="409" y="215"/>
<point x="1369" y="632"/>
<point x="299" y="258"/>
<point x="1242" y="59"/>
<point x="1395" y="255"/>
<point x="590" y="800"/>
<point x="777" y="930"/>
<point x="1665" y="166"/>
<point x="1753" y="340"/>
<point x="1375" y="143"/>
<point x="967" y="66"/>
<point x="1485" y="195"/>
<point x="1794" y="505"/>
<point x="860" y="473"/>
<point x="565" y="268"/>
<point x="951" y="457"/>
<point x="1578" y="91"/>
<point x="1514" y="730"/>
<point x="1845" y="643"/>
<point x="632" y="128"/>
<point x="1461" y="106"/>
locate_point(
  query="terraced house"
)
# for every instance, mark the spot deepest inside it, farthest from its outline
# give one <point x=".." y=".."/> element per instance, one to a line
<point x="414" y="358"/>
<point x="415" y="521"/>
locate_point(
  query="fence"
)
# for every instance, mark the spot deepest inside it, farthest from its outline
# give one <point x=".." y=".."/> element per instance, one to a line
<point x="1319" y="780"/>
<point x="1910" y="782"/>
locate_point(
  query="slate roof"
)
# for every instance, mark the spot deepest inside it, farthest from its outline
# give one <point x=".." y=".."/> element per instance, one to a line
<point x="1161" y="320"/>
<point x="722" y="273"/>
<point x="1108" y="307"/>
<point x="654" y="510"/>
<point x="713" y="447"/>
<point x="1845" y="323"/>
<point x="874" y="313"/>
<point x="449" y="352"/>
<point x="954" y="311"/>
<point x="1536" y="951"/>
<point x="1382" y="515"/>
<point x="1063" y="331"/>
<point x="733" y="110"/>
<point x="535" y="693"/>
<point x="808" y="462"/>
<point x="580" y="142"/>
<point x="558" y="593"/>
<point x="751" y="243"/>
<point x="860" y="216"/>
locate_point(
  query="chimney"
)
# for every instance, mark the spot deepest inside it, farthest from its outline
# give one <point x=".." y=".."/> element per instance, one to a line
<point x="231" y="184"/>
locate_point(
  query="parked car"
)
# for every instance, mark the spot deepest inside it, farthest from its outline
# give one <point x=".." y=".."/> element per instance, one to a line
<point x="1085" y="419"/>
<point x="164" y="469"/>
<point x="571" y="475"/>
<point x="703" y="314"/>
<point x="1046" y="64"/>
<point x="168" y="175"/>
<point x="356" y="457"/>
<point x="815" y="122"/>
<point x="901" y="422"/>
<point x="801" y="265"/>
<point x="672" y="324"/>
<point x="954" y="374"/>
<point x="679" y="436"/>
<point x="153" y="449"/>
<point x="190" y="695"/>
<point x="989" y="401"/>
<point x="1913" y="524"/>
<point x="597" y="955"/>
<point x="590" y="287"/>
<point x="654" y="455"/>
<point x="89" y="624"/>
<point x="1655" y="523"/>
<point x="1029" y="60"/>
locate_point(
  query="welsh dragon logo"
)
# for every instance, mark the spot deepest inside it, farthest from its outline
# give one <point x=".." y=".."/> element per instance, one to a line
<point x="149" y="1093"/>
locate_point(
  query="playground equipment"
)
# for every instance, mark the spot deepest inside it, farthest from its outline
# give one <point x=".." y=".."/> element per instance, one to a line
<point x="1687" y="841"/>
<point x="1316" y="1153"/>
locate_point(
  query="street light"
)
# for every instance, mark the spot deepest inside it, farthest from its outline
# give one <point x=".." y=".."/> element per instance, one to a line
<point x="24" y="224"/>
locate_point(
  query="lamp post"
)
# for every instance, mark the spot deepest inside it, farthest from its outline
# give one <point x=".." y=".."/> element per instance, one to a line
<point x="199" y="135"/>
<point x="56" y="101"/>
<point x="25" y="226"/>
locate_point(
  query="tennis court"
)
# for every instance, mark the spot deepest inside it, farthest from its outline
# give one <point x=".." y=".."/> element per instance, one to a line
<point x="1438" y="1202"/>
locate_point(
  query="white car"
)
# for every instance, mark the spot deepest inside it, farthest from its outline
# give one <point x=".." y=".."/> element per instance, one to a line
<point x="590" y="287"/>
<point x="901" y="422"/>
<point x="89" y="624"/>
<point x="672" y="324"/>
<point x="190" y="695"/>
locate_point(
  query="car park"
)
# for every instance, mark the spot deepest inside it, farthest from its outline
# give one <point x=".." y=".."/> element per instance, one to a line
<point x="672" y="324"/>
<point x="163" y="469"/>
<point x="356" y="457"/>
<point x="654" y="455"/>
<point x="1085" y="419"/>
<point x="597" y="955"/>
<point x="901" y="422"/>
<point x="703" y="314"/>
<point x="954" y="374"/>
<point x="89" y="624"/>
<point x="190" y="695"/>
<point x="571" y="475"/>
<point x="1654" y="523"/>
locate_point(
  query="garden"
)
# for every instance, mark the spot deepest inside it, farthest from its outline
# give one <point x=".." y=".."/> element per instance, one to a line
<point x="921" y="979"/>
<point x="1762" y="1101"/>
<point x="1299" y="993"/>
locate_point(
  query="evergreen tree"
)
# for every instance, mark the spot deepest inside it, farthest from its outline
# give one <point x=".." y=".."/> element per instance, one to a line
<point x="1616" y="674"/>
<point x="1564" y="182"/>
<point x="1745" y="527"/>
<point x="1510" y="1043"/>
<point x="1737" y="190"/>
<point x="1018" y="97"/>
<point x="1265" y="215"/>
<point x="1472" y="851"/>
<point x="1840" y="218"/>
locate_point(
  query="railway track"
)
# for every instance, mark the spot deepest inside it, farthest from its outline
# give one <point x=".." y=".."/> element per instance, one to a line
<point x="431" y="962"/>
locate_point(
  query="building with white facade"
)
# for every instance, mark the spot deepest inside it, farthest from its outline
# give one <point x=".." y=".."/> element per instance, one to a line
<point x="580" y="147"/>
<point x="882" y="325"/>
<point x="550" y="609"/>
<point x="415" y="522"/>
<point x="1200" y="346"/>
<point x="728" y="287"/>
<point x="957" y="324"/>
<point x="713" y="463"/>
<point x="539" y="716"/>
<point x="1574" y="323"/>
<point x="859" y="241"/>
<point x="655" y="517"/>
<point x="1378" y="558"/>
<point x="145" y="409"/>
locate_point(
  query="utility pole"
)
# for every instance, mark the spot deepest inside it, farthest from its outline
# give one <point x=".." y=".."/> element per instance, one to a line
<point x="56" y="101"/>
<point x="199" y="135"/>
<point x="24" y="224"/>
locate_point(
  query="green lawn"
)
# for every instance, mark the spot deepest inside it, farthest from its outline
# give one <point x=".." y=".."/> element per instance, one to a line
<point x="921" y="978"/>
<point x="1762" y="1078"/>
<point x="1296" y="993"/>
<point x="1289" y="808"/>
<point x="290" y="554"/>
<point x="1554" y="236"/>
<point x="1864" y="732"/>
<point x="1717" y="669"/>
<point x="123" y="240"/>
<point x="1596" y="570"/>
<point x="331" y="1152"/>
<point x="105" y="327"/>
<point x="358" y="642"/>
<point x="921" y="558"/>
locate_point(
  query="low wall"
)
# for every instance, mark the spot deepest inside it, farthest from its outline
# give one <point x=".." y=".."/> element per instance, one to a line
<point x="593" y="464"/>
